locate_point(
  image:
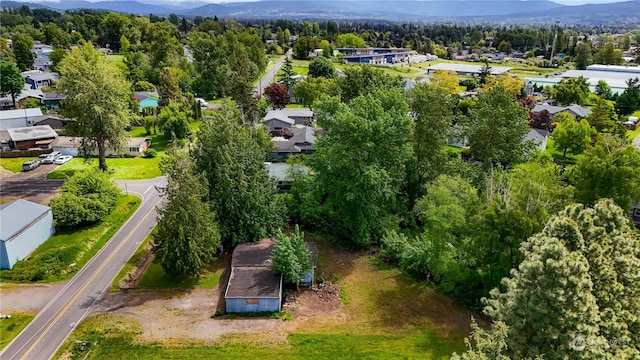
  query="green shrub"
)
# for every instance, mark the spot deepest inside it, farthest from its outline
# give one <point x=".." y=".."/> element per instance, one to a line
<point x="87" y="197"/>
<point x="150" y="153"/>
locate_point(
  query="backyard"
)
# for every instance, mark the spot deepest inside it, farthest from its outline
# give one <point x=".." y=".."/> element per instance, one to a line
<point x="379" y="313"/>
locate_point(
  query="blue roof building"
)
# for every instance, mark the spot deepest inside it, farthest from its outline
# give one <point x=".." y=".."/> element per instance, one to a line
<point x="24" y="225"/>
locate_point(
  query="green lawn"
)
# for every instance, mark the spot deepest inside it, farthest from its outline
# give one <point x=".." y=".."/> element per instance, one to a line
<point x="156" y="278"/>
<point x="126" y="168"/>
<point x="385" y="315"/>
<point x="50" y="261"/>
<point x="14" y="164"/>
<point x="116" y="58"/>
<point x="120" y="168"/>
<point x="10" y="328"/>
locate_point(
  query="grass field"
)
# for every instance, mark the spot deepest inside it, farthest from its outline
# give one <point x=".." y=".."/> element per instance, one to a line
<point x="10" y="328"/>
<point x="126" y="168"/>
<point x="156" y="278"/>
<point x="50" y="261"/>
<point x="385" y="315"/>
<point x="14" y="164"/>
<point x="116" y="58"/>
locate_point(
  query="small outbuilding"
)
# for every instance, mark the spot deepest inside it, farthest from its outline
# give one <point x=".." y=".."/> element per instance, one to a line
<point x="253" y="286"/>
<point x="24" y="225"/>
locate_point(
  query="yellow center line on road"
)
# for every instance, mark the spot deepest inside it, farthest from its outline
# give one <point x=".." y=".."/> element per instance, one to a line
<point x="84" y="287"/>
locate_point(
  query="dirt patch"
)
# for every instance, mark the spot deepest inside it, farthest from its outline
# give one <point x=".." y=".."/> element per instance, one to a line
<point x="320" y="299"/>
<point x="26" y="297"/>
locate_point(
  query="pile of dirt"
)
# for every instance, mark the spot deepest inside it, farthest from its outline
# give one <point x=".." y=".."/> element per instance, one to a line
<point x="320" y="299"/>
<point x="130" y="280"/>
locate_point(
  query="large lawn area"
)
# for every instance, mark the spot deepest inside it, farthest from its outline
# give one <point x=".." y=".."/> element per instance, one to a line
<point x="50" y="261"/>
<point x="14" y="164"/>
<point x="384" y="315"/>
<point x="10" y="328"/>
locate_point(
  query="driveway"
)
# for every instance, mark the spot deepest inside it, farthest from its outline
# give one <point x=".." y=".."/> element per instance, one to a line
<point x="636" y="142"/>
<point x="40" y="172"/>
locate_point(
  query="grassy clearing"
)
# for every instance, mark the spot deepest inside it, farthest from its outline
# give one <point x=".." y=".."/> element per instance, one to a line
<point x="385" y="315"/>
<point x="557" y="155"/>
<point x="14" y="164"/>
<point x="120" y="168"/>
<point x="116" y="58"/>
<point x="156" y="278"/>
<point x="50" y="261"/>
<point x="10" y="328"/>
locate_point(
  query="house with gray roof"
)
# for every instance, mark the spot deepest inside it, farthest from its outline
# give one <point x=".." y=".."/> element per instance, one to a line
<point x="277" y="120"/>
<point x="38" y="78"/>
<point x="24" y="225"/>
<point x="576" y="111"/>
<point x="302" y="142"/>
<point x="539" y="138"/>
<point x="28" y="137"/>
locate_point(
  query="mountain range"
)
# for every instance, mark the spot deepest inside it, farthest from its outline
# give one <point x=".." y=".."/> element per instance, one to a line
<point x="412" y="10"/>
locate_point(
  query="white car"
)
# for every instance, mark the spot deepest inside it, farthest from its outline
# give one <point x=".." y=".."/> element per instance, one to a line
<point x="62" y="159"/>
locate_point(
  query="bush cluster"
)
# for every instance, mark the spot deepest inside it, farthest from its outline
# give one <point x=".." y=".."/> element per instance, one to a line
<point x="87" y="197"/>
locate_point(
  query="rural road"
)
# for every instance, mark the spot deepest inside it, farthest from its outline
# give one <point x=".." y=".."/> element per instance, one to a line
<point x="67" y="308"/>
<point x="267" y="78"/>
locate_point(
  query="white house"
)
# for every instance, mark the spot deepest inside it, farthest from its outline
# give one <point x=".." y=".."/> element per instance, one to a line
<point x="69" y="145"/>
<point x="24" y="225"/>
<point x="19" y="118"/>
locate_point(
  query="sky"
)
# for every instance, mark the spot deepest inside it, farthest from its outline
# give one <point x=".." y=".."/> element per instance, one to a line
<point x="564" y="2"/>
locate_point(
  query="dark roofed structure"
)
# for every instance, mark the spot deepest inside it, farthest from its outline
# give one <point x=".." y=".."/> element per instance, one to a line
<point x="254" y="282"/>
<point x="253" y="254"/>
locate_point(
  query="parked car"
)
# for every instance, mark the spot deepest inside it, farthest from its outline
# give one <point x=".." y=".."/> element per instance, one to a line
<point x="30" y="165"/>
<point x="62" y="159"/>
<point x="51" y="157"/>
<point x="202" y="102"/>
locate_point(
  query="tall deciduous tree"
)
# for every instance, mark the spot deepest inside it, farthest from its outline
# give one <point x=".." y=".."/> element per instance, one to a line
<point x="611" y="169"/>
<point x="359" y="161"/>
<point x="21" y="46"/>
<point x="583" y="55"/>
<point x="572" y="136"/>
<point x="322" y="67"/>
<point x="571" y="91"/>
<point x="240" y="190"/>
<point x="310" y="90"/>
<point x="11" y="81"/>
<point x="432" y="108"/>
<point x="98" y="99"/>
<point x="512" y="84"/>
<point x="496" y="127"/>
<point x="187" y="235"/>
<point x="277" y="95"/>
<point x="447" y="80"/>
<point x="168" y="88"/>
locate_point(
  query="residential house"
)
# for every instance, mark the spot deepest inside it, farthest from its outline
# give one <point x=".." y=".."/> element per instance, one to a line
<point x="276" y="121"/>
<point x="19" y="118"/>
<point x="41" y="61"/>
<point x="280" y="172"/>
<point x="38" y="78"/>
<point x="146" y="99"/>
<point x="56" y="122"/>
<point x="299" y="116"/>
<point x="29" y="137"/>
<point x="6" y="102"/>
<point x="52" y="100"/>
<point x="302" y="142"/>
<point x="576" y="111"/>
<point x="539" y="138"/>
<point x="68" y="145"/>
<point x="24" y="225"/>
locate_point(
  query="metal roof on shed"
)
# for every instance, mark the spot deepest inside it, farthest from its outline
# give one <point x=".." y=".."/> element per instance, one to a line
<point x="32" y="133"/>
<point x="467" y="68"/>
<point x="253" y="254"/>
<point x="17" y="216"/>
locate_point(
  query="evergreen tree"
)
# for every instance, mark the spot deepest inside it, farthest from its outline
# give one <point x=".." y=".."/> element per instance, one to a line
<point x="240" y="190"/>
<point x="629" y="100"/>
<point x="187" y="235"/>
<point x="583" y="55"/>
<point x="291" y="256"/>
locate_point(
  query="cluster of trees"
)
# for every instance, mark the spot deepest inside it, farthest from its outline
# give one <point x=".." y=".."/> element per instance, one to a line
<point x="218" y="194"/>
<point x="585" y="260"/>
<point x="85" y="198"/>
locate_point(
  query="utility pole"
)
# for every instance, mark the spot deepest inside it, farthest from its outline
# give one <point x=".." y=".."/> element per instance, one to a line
<point x="553" y="46"/>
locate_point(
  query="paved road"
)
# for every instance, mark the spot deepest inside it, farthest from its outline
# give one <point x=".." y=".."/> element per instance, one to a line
<point x="66" y="309"/>
<point x="636" y="142"/>
<point x="267" y="78"/>
<point x="28" y="188"/>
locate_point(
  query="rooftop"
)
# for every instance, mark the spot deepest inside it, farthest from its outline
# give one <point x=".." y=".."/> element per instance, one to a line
<point x="17" y="216"/>
<point x="32" y="133"/>
<point x="278" y="115"/>
<point x="20" y="113"/>
<point x="253" y="254"/>
<point x="253" y="282"/>
<point x="295" y="112"/>
<point x="279" y="170"/>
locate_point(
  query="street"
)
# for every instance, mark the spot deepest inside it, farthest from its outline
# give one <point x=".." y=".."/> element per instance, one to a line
<point x="66" y="309"/>
<point x="268" y="78"/>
